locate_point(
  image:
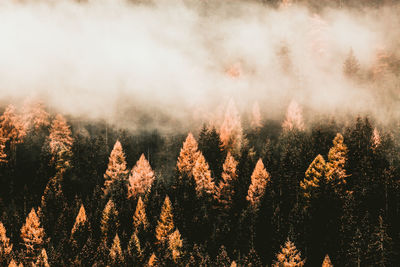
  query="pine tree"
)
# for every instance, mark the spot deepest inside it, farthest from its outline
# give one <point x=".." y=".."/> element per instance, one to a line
<point x="12" y="126"/>
<point x="140" y="218"/>
<point x="3" y="155"/>
<point x="231" y="131"/>
<point x="188" y="156"/>
<point x="256" y="116"/>
<point x="12" y="263"/>
<point x="35" y="115"/>
<point x="222" y="259"/>
<point x="259" y="181"/>
<point x="116" y="170"/>
<point x="33" y="235"/>
<point x="351" y="65"/>
<point x="294" y="118"/>
<point x="225" y="189"/>
<point x="376" y="139"/>
<point x="116" y="256"/>
<point x="153" y="261"/>
<point x="134" y="250"/>
<point x="5" y="246"/>
<point x="42" y="260"/>
<point x="202" y="176"/>
<point x="327" y="262"/>
<point x="380" y="247"/>
<point x="140" y="178"/>
<point x="60" y="143"/>
<point x="175" y="245"/>
<point x="211" y="146"/>
<point x="80" y="231"/>
<point x="314" y="175"/>
<point x="252" y="259"/>
<point x="109" y="222"/>
<point x="337" y="158"/>
<point x="165" y="224"/>
<point x="289" y="256"/>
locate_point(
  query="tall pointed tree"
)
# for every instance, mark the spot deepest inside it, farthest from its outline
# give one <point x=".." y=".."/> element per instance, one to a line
<point x="134" y="250"/>
<point x="35" y="115"/>
<point x="256" y="116"/>
<point x="80" y="230"/>
<point x="351" y="66"/>
<point x="32" y="234"/>
<point x="313" y="176"/>
<point x="3" y="155"/>
<point x="12" y="126"/>
<point x="42" y="260"/>
<point x="225" y="189"/>
<point x="109" y="222"/>
<point x="140" y="218"/>
<point x="116" y="170"/>
<point x="5" y="246"/>
<point x="116" y="256"/>
<point x="188" y="156"/>
<point x="202" y="176"/>
<point x="294" y="118"/>
<point x="289" y="256"/>
<point x="141" y="178"/>
<point x="337" y="158"/>
<point x="231" y="131"/>
<point x="165" y="224"/>
<point x="259" y="180"/>
<point x="327" y="261"/>
<point x="175" y="245"/>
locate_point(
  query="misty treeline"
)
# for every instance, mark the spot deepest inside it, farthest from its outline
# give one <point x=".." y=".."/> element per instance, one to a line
<point x="255" y="193"/>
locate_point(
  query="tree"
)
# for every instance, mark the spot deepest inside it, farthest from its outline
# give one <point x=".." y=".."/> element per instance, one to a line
<point x="12" y="263"/>
<point x="139" y="218"/>
<point x="380" y="247"/>
<point x="259" y="180"/>
<point x="116" y="256"/>
<point x="80" y="231"/>
<point x="225" y="189"/>
<point x="256" y="116"/>
<point x="60" y="142"/>
<point x="165" y="224"/>
<point x="116" y="170"/>
<point x="222" y="259"/>
<point x="337" y="158"/>
<point x="12" y="126"/>
<point x="3" y="155"/>
<point x="376" y="139"/>
<point x="5" y="246"/>
<point x="252" y="259"/>
<point x="175" y="245"/>
<point x="294" y="118"/>
<point x="42" y="260"/>
<point x="188" y="156"/>
<point x="231" y="132"/>
<point x="351" y="66"/>
<point x="35" y="115"/>
<point x="153" y="261"/>
<point x="140" y="178"/>
<point x="289" y="256"/>
<point x="33" y="236"/>
<point x="135" y="251"/>
<point x="202" y="176"/>
<point x="211" y="146"/>
<point x="109" y="222"/>
<point x="327" y="262"/>
<point x="314" y="175"/>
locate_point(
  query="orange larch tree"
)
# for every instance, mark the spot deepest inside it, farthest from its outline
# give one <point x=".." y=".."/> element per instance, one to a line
<point x="141" y="178"/>
<point x="259" y="180"/>
<point x="5" y="246"/>
<point x="202" y="176"/>
<point x="294" y="118"/>
<point x="116" y="170"/>
<point x="225" y="190"/>
<point x="35" y="115"/>
<point x="165" y="225"/>
<point x="231" y="132"/>
<point x="188" y="156"/>
<point x="32" y="234"/>
<point x="140" y="218"/>
<point x="289" y="256"/>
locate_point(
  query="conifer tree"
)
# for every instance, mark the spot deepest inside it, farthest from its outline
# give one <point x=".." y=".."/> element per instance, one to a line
<point x="116" y="256"/>
<point x="222" y="259"/>
<point x="202" y="176"/>
<point x="188" y="156"/>
<point x="35" y="115"/>
<point x="60" y="142"/>
<point x="165" y="224"/>
<point x="135" y="250"/>
<point x="327" y="261"/>
<point x="351" y="65"/>
<point x="140" y="218"/>
<point x="252" y="259"/>
<point x="380" y="247"/>
<point x="153" y="261"/>
<point x="294" y="118"/>
<point x="116" y="170"/>
<point x="175" y="245"/>
<point x="233" y="264"/>
<point x="140" y="178"/>
<point x="376" y="139"/>
<point x="225" y="189"/>
<point x="337" y="158"/>
<point x="289" y="256"/>
<point x="32" y="234"/>
<point x="313" y="176"/>
<point x="256" y="116"/>
<point x="259" y="180"/>
<point x="3" y="155"/>
<point x="109" y="222"/>
<point x="42" y="260"/>
<point x="5" y="246"/>
<point x="231" y="132"/>
<point x="12" y="126"/>
<point x="80" y="230"/>
<point x="211" y="146"/>
<point x="12" y="263"/>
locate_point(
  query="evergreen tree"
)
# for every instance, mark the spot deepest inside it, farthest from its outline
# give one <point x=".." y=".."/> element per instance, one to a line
<point x="80" y="231"/>
<point x="42" y="260"/>
<point x="175" y="245"/>
<point x="188" y="156"/>
<point x="32" y="234"/>
<point x="351" y="65"/>
<point x="139" y="218"/>
<point x="116" y="256"/>
<point x="5" y="246"/>
<point x="140" y="178"/>
<point x="222" y="259"/>
<point x="380" y="246"/>
<point x="259" y="180"/>
<point x="294" y="118"/>
<point x="289" y="256"/>
<point x="202" y="176"/>
<point x="314" y="175"/>
<point x="109" y="223"/>
<point x="252" y="259"/>
<point x="231" y="132"/>
<point x="225" y="189"/>
<point x="211" y="146"/>
<point x="165" y="225"/>
<point x="327" y="262"/>
<point x="116" y="170"/>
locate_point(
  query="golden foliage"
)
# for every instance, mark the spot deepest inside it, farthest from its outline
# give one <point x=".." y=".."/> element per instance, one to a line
<point x="259" y="180"/>
<point x="60" y="142"/>
<point x="327" y="262"/>
<point x="109" y="220"/>
<point x="5" y="246"/>
<point x="224" y="191"/>
<point x="140" y="178"/>
<point x="337" y="157"/>
<point x="140" y="218"/>
<point x="32" y="234"/>
<point x="294" y="118"/>
<point x="35" y="115"/>
<point x="80" y="219"/>
<point x="202" y="176"/>
<point x="188" y="156"/>
<point x="116" y="169"/>
<point x="175" y="245"/>
<point x="153" y="261"/>
<point x="42" y="260"/>
<point x="165" y="224"/>
<point x="12" y="126"/>
<point x="313" y="175"/>
<point x="289" y="256"/>
<point x="116" y="251"/>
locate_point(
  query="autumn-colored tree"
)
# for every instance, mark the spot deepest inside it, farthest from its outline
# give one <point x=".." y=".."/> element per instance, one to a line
<point x="139" y="218"/>
<point x="42" y="260"/>
<point x="294" y="118"/>
<point x="225" y="189"/>
<point x="256" y="116"/>
<point x="116" y="256"/>
<point x="12" y="263"/>
<point x="175" y="245"/>
<point x="351" y="65"/>
<point x="188" y="156"/>
<point x="289" y="256"/>
<point x="134" y="250"/>
<point x="35" y="115"/>
<point x="165" y="224"/>
<point x="140" y="178"/>
<point x="3" y="155"/>
<point x="12" y="126"/>
<point x="153" y="261"/>
<point x="327" y="261"/>
<point x="109" y="222"/>
<point x="116" y="170"/>
<point x="60" y="142"/>
<point x="313" y="176"/>
<point x="376" y="139"/>
<point x="233" y="264"/>
<point x="231" y="131"/>
<point x="32" y="234"/>
<point x="80" y="231"/>
<point x="337" y="158"/>
<point x="259" y="180"/>
<point x="5" y="246"/>
<point x="202" y="176"/>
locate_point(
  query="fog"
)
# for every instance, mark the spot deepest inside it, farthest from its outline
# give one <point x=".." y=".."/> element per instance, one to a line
<point x="184" y="60"/>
